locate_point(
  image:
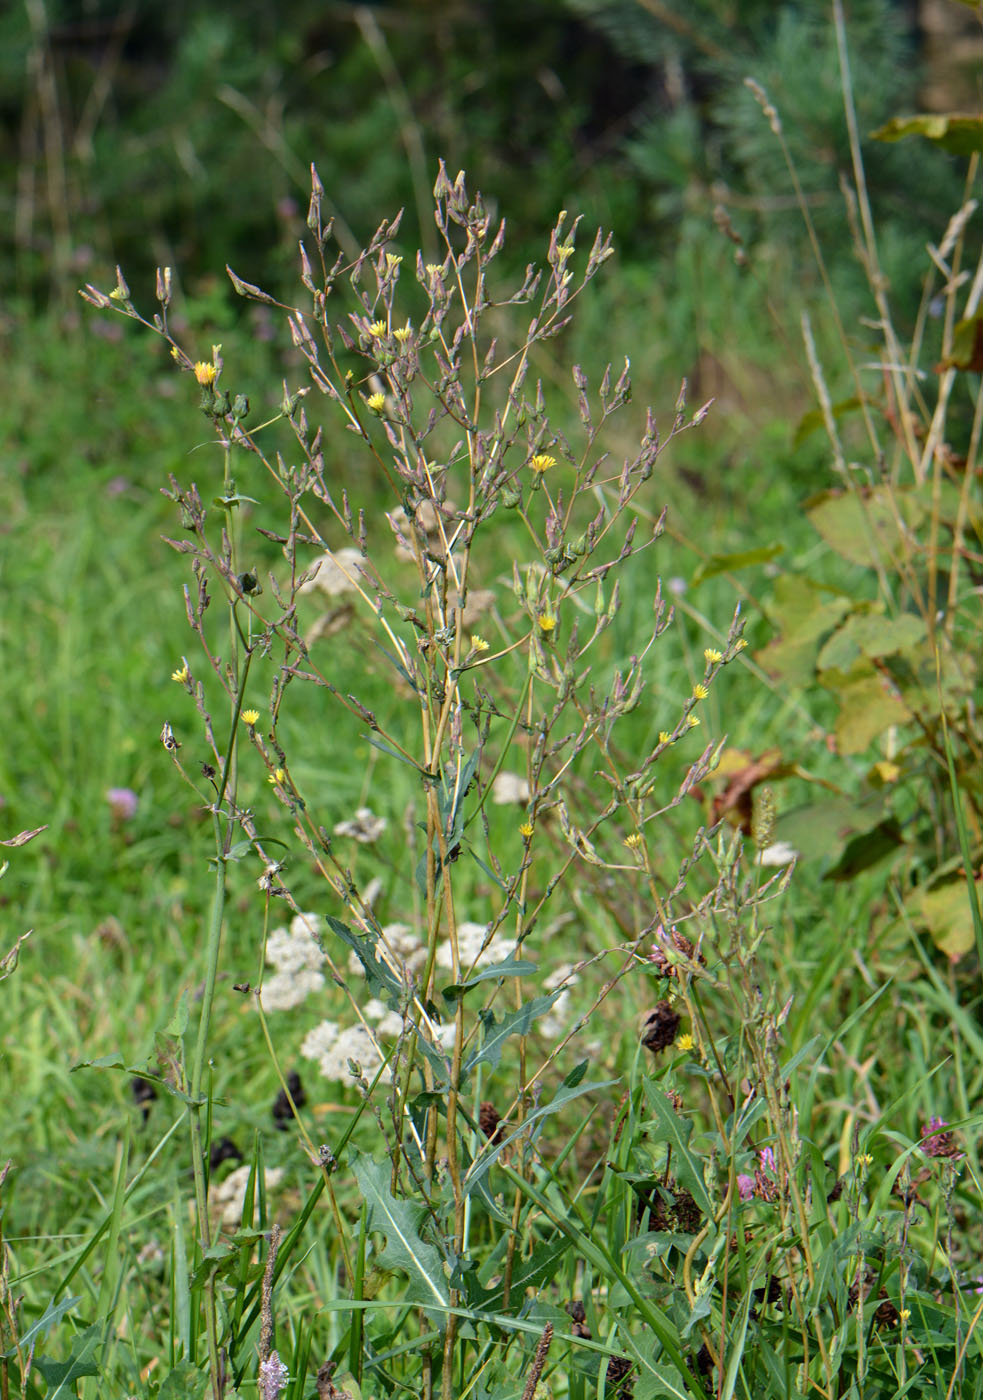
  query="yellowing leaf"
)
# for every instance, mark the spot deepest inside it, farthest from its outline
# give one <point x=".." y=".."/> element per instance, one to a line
<point x="958" y="132"/>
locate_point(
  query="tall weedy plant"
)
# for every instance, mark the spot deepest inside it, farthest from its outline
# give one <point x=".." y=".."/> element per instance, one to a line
<point x="475" y="552"/>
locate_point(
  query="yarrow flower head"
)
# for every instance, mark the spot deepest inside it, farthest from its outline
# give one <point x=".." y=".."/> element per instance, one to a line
<point x="205" y="373"/>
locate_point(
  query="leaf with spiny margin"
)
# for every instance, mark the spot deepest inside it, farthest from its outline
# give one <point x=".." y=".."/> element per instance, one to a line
<point x="514" y="1023"/>
<point x="405" y="1251"/>
<point x="674" y="1130"/>
<point x="60" y="1376"/>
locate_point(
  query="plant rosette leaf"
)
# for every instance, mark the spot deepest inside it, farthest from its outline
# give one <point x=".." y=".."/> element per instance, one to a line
<point x="867" y="526"/>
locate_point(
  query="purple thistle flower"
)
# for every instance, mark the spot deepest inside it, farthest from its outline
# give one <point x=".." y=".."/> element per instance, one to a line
<point x="938" y="1140"/>
<point x="123" y="803"/>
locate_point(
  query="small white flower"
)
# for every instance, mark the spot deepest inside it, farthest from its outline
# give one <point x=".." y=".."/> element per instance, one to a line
<point x="365" y="827"/>
<point x="781" y="853"/>
<point x="294" y="950"/>
<point x="508" y="788"/>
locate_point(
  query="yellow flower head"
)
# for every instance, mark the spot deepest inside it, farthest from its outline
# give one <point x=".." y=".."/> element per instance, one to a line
<point x="205" y="373"/>
<point x="547" y="622"/>
<point x="905" y="1314"/>
<point x="740" y="644"/>
<point x="711" y="655"/>
<point x="377" y="328"/>
<point x="403" y="333"/>
<point x="700" y="691"/>
<point x="435" y="270"/>
<point x="684" y="1043"/>
<point x="542" y="462"/>
<point x="182" y="675"/>
<point x="664" y="736"/>
<point x="693" y="721"/>
<point x="175" y="353"/>
<point x="478" y="644"/>
<point x="633" y="841"/>
<point x="250" y="717"/>
<point x="393" y="261"/>
<point x="376" y="402"/>
<point x="277" y="776"/>
<point x="525" y="830"/>
<point x="865" y="1160"/>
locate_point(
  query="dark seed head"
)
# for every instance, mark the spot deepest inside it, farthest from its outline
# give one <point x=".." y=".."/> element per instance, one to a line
<point x="659" y="1027"/>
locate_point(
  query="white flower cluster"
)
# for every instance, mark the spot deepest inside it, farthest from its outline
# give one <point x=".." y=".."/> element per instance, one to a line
<point x="554" y="1023"/>
<point x="471" y="948"/>
<point x="229" y="1195"/>
<point x="297" y="959"/>
<point x="331" y="1048"/>
<point x="334" y="574"/>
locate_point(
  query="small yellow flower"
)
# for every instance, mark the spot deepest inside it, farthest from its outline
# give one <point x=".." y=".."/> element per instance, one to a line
<point x="175" y="353"/>
<point x="205" y="373"/>
<point x="564" y="251"/>
<point x="525" y="830"/>
<point x="277" y="776"/>
<point x="542" y="462"/>
<point x="435" y="270"/>
<point x="250" y="717"/>
<point x="547" y="622"/>
<point x="377" y="328"/>
<point x="711" y="655"/>
<point x="403" y="333"/>
<point x="740" y="645"/>
<point x="633" y="841"/>
<point x="693" y="721"/>
<point x="478" y="644"/>
<point x="664" y="736"/>
<point x="684" y="1043"/>
<point x="393" y="261"/>
<point x="700" y="691"/>
<point x="905" y="1314"/>
<point x="376" y="402"/>
<point x="182" y="675"/>
<point x="865" y="1160"/>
